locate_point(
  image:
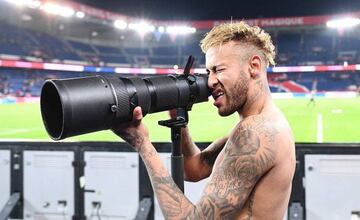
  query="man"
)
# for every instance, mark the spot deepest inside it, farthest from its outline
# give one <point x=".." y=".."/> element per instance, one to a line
<point x="312" y="98"/>
<point x="313" y="93"/>
<point x="251" y="171"/>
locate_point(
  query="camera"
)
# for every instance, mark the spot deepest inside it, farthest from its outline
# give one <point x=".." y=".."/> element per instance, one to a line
<point x="82" y="105"/>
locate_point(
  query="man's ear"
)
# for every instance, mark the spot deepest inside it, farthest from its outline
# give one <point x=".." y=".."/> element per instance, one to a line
<point x="255" y="66"/>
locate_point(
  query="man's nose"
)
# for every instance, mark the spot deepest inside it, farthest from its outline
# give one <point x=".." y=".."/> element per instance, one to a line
<point x="212" y="81"/>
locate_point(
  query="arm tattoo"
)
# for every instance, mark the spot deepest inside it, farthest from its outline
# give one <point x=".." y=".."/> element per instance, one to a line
<point x="248" y="155"/>
<point x="250" y="207"/>
<point x="134" y="140"/>
<point x="188" y="147"/>
<point x="210" y="154"/>
<point x="174" y="203"/>
<point x="165" y="187"/>
<point x="209" y="157"/>
<point x="148" y="153"/>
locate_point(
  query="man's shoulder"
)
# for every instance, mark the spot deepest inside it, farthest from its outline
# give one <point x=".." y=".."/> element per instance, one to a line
<point x="263" y="125"/>
<point x="254" y="141"/>
<point x="252" y="133"/>
<point x="261" y="132"/>
<point x="274" y="133"/>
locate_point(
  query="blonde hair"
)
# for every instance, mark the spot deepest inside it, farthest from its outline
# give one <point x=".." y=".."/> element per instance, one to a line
<point x="242" y="33"/>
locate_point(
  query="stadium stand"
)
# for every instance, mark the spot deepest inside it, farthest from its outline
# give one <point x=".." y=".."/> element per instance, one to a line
<point x="19" y="82"/>
<point x="28" y="82"/>
<point x="296" y="46"/>
<point x="314" y="47"/>
<point x="87" y="48"/>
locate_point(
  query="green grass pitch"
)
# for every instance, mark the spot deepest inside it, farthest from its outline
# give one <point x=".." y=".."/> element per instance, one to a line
<point x="331" y="120"/>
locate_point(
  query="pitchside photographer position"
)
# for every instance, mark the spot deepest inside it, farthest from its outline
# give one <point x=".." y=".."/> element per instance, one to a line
<point x="251" y="171"/>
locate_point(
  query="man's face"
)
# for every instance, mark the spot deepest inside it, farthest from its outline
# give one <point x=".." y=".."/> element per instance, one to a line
<point x="228" y="78"/>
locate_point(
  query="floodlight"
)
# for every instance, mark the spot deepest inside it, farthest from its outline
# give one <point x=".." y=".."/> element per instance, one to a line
<point x="32" y="3"/>
<point x="142" y="27"/>
<point x="80" y="14"/>
<point x="120" y="24"/>
<point x="343" y="23"/>
<point x="16" y="2"/>
<point x="180" y="30"/>
<point x="28" y="3"/>
<point x="161" y="29"/>
<point x="52" y="8"/>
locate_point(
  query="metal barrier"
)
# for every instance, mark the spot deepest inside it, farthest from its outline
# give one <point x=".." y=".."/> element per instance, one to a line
<point x="88" y="166"/>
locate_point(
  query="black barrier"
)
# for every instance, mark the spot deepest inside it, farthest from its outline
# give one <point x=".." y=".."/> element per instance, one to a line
<point x="297" y="198"/>
<point x="296" y="203"/>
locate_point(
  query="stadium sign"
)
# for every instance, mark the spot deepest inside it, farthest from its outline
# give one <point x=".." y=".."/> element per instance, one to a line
<point x="262" y="22"/>
<point x="126" y="70"/>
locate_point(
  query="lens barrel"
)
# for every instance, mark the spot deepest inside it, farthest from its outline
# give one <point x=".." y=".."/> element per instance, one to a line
<point x="77" y="106"/>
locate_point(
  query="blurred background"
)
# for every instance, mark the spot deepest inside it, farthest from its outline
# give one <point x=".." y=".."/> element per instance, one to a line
<point x="315" y="82"/>
<point x="317" y="45"/>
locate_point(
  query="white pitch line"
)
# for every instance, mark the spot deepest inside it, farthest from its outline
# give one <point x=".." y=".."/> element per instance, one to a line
<point x="319" y="128"/>
<point x="14" y="131"/>
<point x="10" y="131"/>
<point x="24" y="139"/>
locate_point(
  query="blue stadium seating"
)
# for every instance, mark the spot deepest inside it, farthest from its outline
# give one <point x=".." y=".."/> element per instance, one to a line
<point x="113" y="59"/>
<point x="347" y="43"/>
<point x="108" y="50"/>
<point x="81" y="46"/>
<point x="294" y="48"/>
<point x="137" y="51"/>
<point x="318" y="42"/>
<point x="55" y="47"/>
<point x="165" y="51"/>
<point x="319" y="46"/>
<point x="29" y="82"/>
<point x="288" y="43"/>
<point x="192" y="49"/>
<point x="164" y="60"/>
<point x="14" y="41"/>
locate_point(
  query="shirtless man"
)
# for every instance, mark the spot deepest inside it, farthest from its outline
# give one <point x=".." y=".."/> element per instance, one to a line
<point x="251" y="171"/>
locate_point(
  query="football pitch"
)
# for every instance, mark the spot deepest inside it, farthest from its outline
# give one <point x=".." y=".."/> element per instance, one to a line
<point x="330" y="120"/>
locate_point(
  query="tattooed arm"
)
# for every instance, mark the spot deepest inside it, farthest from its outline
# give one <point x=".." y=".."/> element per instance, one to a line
<point x="198" y="164"/>
<point x="245" y="161"/>
<point x="248" y="155"/>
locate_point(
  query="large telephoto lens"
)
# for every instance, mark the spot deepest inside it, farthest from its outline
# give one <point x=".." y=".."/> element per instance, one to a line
<point x="77" y="106"/>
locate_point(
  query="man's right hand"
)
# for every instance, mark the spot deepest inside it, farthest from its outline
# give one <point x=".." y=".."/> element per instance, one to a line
<point x="173" y="113"/>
